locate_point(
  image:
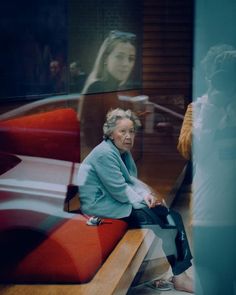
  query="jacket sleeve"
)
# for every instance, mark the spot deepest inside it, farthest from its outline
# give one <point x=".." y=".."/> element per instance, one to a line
<point x="109" y="170"/>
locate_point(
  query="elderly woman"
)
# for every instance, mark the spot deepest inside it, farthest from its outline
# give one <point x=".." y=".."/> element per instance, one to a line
<point x="109" y="187"/>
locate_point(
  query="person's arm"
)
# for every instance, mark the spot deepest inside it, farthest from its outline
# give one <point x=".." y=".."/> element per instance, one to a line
<point x="185" y="138"/>
<point x="109" y="171"/>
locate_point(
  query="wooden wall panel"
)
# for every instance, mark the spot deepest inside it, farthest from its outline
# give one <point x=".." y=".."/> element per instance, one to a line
<point x="167" y="51"/>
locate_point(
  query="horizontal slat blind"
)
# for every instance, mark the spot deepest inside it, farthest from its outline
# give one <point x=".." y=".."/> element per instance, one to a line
<point x="167" y="51"/>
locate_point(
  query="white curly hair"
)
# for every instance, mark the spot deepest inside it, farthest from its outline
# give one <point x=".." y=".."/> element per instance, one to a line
<point x="118" y="114"/>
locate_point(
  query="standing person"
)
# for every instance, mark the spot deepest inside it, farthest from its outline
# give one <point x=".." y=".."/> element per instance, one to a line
<point x="77" y="77"/>
<point x="56" y="83"/>
<point x="111" y="72"/>
<point x="185" y="138"/>
<point x="214" y="186"/>
<point x="109" y="187"/>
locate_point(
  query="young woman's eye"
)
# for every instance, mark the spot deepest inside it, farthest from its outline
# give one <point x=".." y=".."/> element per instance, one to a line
<point x="120" y="56"/>
<point x="131" y="59"/>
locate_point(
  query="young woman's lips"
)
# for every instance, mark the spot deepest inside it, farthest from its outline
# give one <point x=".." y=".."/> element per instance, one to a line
<point x="124" y="71"/>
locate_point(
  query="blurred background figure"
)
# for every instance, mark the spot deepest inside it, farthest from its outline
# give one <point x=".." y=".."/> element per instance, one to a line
<point x="208" y="67"/>
<point x="185" y="138"/>
<point x="56" y="83"/>
<point x="214" y="186"/>
<point x="77" y="77"/>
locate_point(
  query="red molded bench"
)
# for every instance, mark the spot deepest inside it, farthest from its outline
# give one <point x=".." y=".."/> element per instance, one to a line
<point x="53" y="134"/>
<point x="62" y="252"/>
<point x="40" y="248"/>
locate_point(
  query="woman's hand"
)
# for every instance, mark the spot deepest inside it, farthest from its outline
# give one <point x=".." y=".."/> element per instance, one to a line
<point x="152" y="201"/>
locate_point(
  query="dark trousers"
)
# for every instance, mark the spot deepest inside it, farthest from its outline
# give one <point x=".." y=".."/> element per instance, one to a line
<point x="159" y="215"/>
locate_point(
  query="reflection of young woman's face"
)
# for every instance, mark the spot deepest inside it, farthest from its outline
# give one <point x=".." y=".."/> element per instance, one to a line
<point x="121" y="61"/>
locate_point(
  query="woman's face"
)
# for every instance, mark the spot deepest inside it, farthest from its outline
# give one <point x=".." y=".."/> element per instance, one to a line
<point x="123" y="135"/>
<point x="120" y="61"/>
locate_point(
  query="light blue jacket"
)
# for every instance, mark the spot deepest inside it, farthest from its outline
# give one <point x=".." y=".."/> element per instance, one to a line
<point x="108" y="187"/>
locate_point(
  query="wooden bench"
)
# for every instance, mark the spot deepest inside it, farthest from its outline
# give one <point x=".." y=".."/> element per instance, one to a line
<point x="114" y="277"/>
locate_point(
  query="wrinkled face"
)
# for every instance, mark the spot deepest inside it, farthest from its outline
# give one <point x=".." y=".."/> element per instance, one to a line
<point x="123" y="135"/>
<point x="121" y="61"/>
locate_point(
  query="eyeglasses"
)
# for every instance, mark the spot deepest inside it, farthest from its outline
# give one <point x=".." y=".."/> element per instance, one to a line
<point x="122" y="35"/>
